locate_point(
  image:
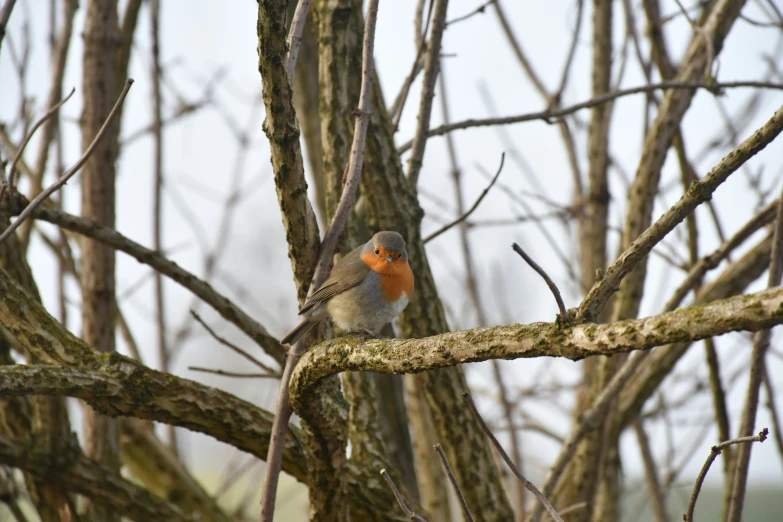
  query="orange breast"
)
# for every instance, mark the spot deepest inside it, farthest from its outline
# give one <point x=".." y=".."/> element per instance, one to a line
<point x="396" y="277"/>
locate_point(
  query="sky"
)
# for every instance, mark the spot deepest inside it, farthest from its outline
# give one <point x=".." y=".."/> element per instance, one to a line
<point x="205" y="42"/>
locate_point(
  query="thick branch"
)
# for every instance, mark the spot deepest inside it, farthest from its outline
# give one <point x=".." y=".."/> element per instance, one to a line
<point x="123" y="387"/>
<point x="115" y="385"/>
<point x="751" y="312"/>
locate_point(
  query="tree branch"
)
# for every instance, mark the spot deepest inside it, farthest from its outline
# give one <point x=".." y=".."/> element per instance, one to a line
<point x="750" y="312"/>
<point x="551" y="116"/>
<point x="697" y="193"/>
<point x="119" y="386"/>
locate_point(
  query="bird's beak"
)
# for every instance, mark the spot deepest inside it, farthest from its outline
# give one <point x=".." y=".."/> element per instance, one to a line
<point x="389" y="259"/>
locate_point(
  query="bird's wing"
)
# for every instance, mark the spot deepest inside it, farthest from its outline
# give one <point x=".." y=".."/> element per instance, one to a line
<point x="347" y="273"/>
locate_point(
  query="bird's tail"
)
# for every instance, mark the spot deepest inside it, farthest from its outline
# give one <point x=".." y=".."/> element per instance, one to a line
<point x="297" y="333"/>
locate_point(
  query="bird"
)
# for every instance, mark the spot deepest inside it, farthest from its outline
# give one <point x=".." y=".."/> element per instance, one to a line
<point x="366" y="289"/>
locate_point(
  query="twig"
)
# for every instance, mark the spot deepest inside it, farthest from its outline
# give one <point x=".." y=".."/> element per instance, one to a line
<point x="714" y="452"/>
<point x="479" y="10"/>
<point x="328" y="245"/>
<point x="231" y="345"/>
<point x="12" y="174"/>
<point x="412" y="515"/>
<point x="295" y="37"/>
<point x="467" y="214"/>
<point x="453" y="479"/>
<point x="551" y="284"/>
<point x="226" y="373"/>
<point x="431" y="67"/>
<point x="529" y="485"/>
<point x="51" y="189"/>
<point x="552" y="116"/>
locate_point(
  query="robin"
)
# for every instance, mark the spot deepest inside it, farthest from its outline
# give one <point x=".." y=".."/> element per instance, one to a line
<point x="367" y="288"/>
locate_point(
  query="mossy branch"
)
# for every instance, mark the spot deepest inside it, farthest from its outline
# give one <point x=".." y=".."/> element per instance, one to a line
<point x="115" y="385"/>
<point x="750" y="312"/>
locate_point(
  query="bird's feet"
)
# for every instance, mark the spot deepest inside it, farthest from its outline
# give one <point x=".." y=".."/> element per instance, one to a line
<point x="366" y="334"/>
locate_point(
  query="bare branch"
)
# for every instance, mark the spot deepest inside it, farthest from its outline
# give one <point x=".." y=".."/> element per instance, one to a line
<point x="12" y="174"/>
<point x="412" y="515"/>
<point x="28" y="211"/>
<point x="529" y="485"/>
<point x="123" y="387"/>
<point x="551" y="284"/>
<point x="467" y="214"/>
<point x="697" y="193"/>
<point x="226" y="373"/>
<point x="454" y="483"/>
<point x="750" y="312"/>
<point x="552" y="116"/>
<point x="714" y="452"/>
<point x="231" y="345"/>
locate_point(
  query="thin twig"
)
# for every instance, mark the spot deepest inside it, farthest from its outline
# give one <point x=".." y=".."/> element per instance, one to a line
<point x="51" y="189"/>
<point x="295" y="37"/>
<point x="328" y="245"/>
<point x="453" y="479"/>
<point x="479" y="10"/>
<point x="714" y="452"/>
<point x="226" y="373"/>
<point x="551" y="284"/>
<point x="412" y="515"/>
<point x="553" y="116"/>
<point x="231" y="345"/>
<point x="467" y="214"/>
<point x="12" y="174"/>
<point x="529" y="485"/>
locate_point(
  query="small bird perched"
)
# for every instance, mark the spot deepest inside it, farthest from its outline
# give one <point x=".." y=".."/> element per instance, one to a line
<point x="367" y="288"/>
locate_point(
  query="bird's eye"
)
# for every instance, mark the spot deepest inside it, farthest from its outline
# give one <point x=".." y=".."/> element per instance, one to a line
<point x="377" y="251"/>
